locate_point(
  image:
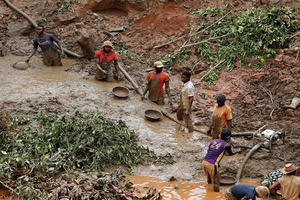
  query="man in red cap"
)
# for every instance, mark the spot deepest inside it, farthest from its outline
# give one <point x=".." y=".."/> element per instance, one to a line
<point x="105" y="60"/>
<point x="156" y="79"/>
<point x="289" y="183"/>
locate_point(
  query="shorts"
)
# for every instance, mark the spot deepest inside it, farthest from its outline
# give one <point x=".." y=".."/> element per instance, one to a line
<point x="209" y="170"/>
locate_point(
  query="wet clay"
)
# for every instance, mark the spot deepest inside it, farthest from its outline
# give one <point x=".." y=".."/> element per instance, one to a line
<point x="5" y="194"/>
<point x="183" y="190"/>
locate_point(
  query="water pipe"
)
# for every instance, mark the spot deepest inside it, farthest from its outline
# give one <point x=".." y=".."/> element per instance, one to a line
<point x="249" y="154"/>
<point x="35" y="25"/>
<point x="138" y="90"/>
<point x="242" y="134"/>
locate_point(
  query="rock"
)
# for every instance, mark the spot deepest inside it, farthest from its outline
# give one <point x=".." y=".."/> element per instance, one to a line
<point x="21" y="65"/>
<point x="290" y="113"/>
<point x="261" y="155"/>
<point x="18" y="28"/>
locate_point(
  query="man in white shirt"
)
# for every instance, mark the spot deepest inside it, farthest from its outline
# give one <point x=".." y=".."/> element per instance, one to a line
<point x="184" y="111"/>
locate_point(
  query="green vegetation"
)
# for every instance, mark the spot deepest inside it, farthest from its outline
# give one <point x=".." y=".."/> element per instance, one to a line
<point x="249" y="37"/>
<point x="64" y="5"/>
<point x="49" y="144"/>
<point x="124" y="50"/>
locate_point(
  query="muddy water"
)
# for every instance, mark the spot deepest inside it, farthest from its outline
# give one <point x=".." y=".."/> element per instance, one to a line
<point x="183" y="190"/>
<point x="39" y="85"/>
<point x="5" y="195"/>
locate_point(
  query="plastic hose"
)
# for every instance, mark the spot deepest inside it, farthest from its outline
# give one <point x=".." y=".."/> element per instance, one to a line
<point x="249" y="154"/>
<point x="35" y="25"/>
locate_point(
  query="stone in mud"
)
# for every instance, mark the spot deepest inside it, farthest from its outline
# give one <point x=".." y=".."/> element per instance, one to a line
<point x="18" y="28"/>
<point x="262" y="155"/>
<point x="290" y="113"/>
<point x="21" y="65"/>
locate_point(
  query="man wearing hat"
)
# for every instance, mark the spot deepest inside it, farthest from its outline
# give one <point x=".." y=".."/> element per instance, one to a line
<point x="289" y="183"/>
<point x="156" y="79"/>
<point x="215" y="153"/>
<point x="245" y="192"/>
<point x="221" y="117"/>
<point x="105" y="60"/>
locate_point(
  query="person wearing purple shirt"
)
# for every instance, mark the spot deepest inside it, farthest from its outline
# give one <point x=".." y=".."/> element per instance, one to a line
<point x="215" y="153"/>
<point x="51" y="56"/>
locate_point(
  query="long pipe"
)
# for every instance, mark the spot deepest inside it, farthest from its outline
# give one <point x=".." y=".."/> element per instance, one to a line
<point x="137" y="88"/>
<point x="127" y="76"/>
<point x="249" y="154"/>
<point x="242" y="134"/>
<point x="35" y="25"/>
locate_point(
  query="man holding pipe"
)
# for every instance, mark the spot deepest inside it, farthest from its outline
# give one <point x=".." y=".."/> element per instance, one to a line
<point x="156" y="79"/>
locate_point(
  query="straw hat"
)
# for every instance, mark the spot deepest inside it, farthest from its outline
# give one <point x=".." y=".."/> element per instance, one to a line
<point x="288" y="168"/>
<point x="262" y="191"/>
<point x="158" y="64"/>
<point x="107" y="43"/>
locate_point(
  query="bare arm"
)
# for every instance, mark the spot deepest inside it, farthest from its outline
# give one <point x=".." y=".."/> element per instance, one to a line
<point x="229" y="124"/>
<point x="272" y="188"/>
<point x="97" y="60"/>
<point x="167" y="88"/>
<point x="146" y="90"/>
<point x="228" y="149"/>
<point x="191" y="100"/>
<point x="117" y="68"/>
<point x="31" y="54"/>
<point x="57" y="42"/>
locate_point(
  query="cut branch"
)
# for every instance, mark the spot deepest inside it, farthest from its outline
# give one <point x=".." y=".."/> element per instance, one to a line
<point x="212" y="69"/>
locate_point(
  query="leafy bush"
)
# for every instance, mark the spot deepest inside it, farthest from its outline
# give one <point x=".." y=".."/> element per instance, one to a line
<point x="255" y="33"/>
<point x="53" y="143"/>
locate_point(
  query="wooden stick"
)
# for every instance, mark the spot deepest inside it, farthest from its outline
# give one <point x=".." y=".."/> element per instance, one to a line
<point x="8" y="187"/>
<point x="191" y="35"/>
<point x="204" y="41"/>
<point x="212" y="69"/>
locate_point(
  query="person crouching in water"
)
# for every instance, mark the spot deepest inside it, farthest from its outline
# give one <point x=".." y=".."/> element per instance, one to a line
<point x="215" y="153"/>
<point x="51" y="56"/>
<point x="244" y="192"/>
<point x="184" y="111"/>
<point x="106" y="59"/>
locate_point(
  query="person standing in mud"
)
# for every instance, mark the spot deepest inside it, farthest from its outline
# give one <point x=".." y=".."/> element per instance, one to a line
<point x="105" y="60"/>
<point x="184" y="111"/>
<point x="221" y="117"/>
<point x="215" y="153"/>
<point x="51" y="56"/>
<point x="156" y="80"/>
